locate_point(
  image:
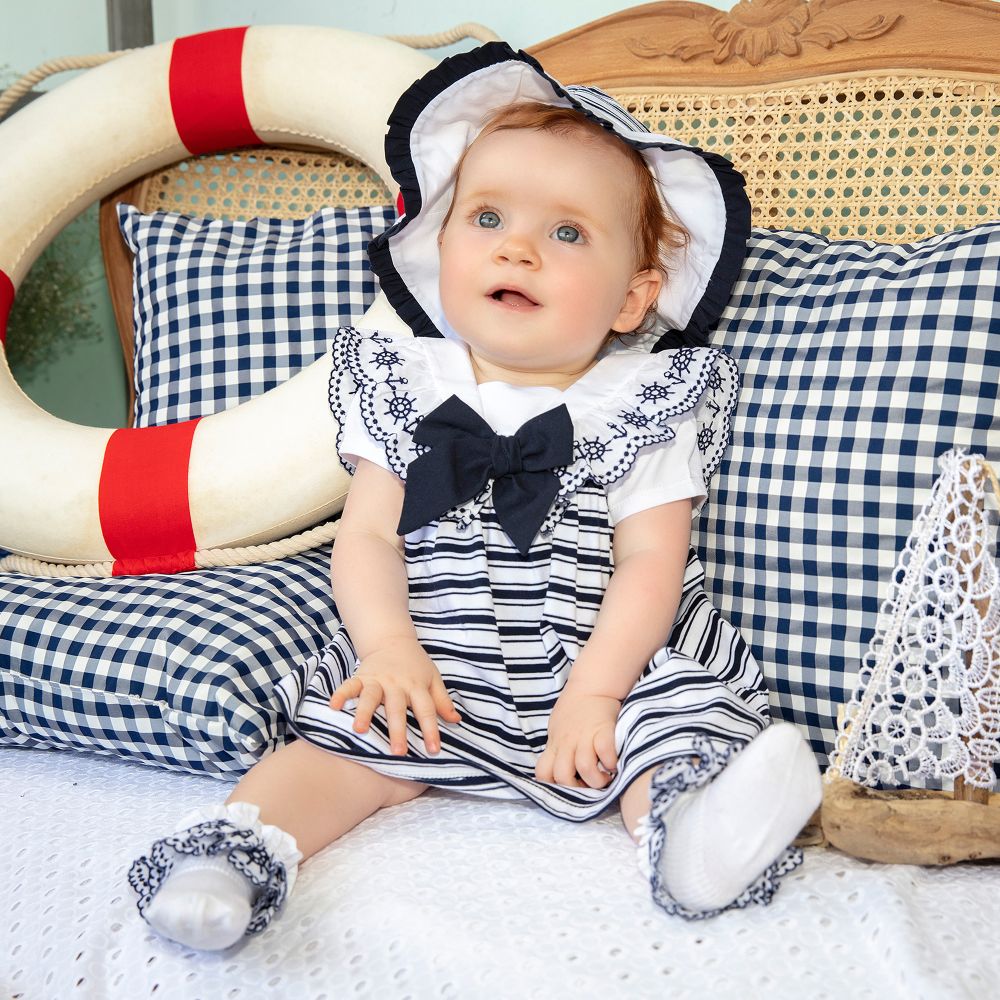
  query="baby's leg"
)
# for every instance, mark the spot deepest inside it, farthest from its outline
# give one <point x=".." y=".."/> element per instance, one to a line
<point x="634" y="801"/>
<point x="317" y="796"/>
<point x="286" y="808"/>
<point x="726" y="818"/>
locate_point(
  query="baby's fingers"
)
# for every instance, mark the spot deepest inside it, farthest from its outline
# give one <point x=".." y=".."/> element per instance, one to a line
<point x="604" y="745"/>
<point x="423" y="711"/>
<point x="371" y="698"/>
<point x="564" y="768"/>
<point x="351" y="688"/>
<point x="395" y="713"/>
<point x="543" y="766"/>
<point x="442" y="701"/>
<point x="586" y="767"/>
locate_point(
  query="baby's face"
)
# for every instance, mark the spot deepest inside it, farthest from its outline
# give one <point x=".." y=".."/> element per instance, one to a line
<point x="537" y="259"/>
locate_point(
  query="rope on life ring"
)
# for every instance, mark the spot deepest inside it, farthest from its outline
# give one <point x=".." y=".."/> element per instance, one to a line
<point x="24" y="84"/>
<point x="203" y="559"/>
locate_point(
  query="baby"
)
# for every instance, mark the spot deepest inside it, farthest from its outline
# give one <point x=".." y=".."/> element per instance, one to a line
<point x="522" y="614"/>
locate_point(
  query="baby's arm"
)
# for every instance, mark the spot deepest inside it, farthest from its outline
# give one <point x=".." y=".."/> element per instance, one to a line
<point x="367" y="571"/>
<point x="640" y="604"/>
<point x="368" y="578"/>
<point x="637" y="613"/>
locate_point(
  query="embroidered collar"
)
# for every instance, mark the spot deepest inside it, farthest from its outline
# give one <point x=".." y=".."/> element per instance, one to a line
<point x="619" y="407"/>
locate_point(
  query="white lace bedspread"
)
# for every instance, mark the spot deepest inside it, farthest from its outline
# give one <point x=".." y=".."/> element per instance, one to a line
<point x="452" y="897"/>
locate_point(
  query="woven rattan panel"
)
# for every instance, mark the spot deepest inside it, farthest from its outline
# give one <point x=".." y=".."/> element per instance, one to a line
<point x="886" y="158"/>
<point x="892" y="159"/>
<point x="272" y="182"/>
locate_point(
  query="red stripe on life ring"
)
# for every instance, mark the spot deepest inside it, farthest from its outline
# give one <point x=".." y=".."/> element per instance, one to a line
<point x="206" y="91"/>
<point x="143" y="499"/>
<point x="6" y="301"/>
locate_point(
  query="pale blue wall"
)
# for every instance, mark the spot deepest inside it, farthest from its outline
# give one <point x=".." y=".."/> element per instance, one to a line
<point x="86" y="384"/>
<point x="34" y="32"/>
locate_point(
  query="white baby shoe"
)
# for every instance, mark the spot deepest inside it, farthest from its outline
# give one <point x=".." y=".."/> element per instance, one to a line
<point x="718" y="832"/>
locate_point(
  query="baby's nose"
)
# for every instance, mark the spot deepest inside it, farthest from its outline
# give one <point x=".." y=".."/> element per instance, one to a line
<point x="517" y="249"/>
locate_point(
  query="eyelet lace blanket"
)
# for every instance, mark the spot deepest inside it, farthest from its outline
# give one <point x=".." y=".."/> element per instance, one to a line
<point x="448" y="897"/>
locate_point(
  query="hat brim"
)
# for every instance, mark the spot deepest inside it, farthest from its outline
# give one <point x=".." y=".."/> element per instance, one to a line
<point x="443" y="112"/>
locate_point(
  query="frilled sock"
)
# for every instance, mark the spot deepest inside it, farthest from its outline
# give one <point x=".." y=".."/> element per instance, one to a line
<point x="222" y="876"/>
<point x="734" y="826"/>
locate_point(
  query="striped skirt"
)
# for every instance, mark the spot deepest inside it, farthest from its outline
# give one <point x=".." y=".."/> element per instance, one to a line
<point x="504" y="630"/>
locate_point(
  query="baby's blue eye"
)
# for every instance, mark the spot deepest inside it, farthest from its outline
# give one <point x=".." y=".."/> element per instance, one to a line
<point x="569" y="234"/>
<point x="488" y="220"/>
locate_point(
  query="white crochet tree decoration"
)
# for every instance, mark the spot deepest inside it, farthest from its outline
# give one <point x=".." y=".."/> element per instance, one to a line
<point x="926" y="708"/>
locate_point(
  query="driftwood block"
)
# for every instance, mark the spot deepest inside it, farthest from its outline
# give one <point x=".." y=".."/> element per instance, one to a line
<point x="909" y="826"/>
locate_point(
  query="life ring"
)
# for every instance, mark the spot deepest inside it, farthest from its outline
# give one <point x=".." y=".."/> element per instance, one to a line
<point x="148" y="498"/>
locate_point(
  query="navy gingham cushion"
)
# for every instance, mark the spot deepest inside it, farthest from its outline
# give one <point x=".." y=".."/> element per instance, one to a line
<point x="861" y="363"/>
<point x="224" y="311"/>
<point x="178" y="671"/>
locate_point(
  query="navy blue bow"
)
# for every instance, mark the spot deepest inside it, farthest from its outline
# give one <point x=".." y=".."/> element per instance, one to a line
<point x="465" y="454"/>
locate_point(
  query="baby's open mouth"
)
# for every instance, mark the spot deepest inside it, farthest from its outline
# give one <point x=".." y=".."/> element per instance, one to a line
<point x="513" y="298"/>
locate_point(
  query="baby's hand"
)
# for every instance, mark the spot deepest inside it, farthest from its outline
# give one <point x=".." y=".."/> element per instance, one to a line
<point x="399" y="673"/>
<point x="581" y="741"/>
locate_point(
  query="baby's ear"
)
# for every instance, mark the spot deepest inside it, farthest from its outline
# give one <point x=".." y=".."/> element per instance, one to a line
<point x="642" y="292"/>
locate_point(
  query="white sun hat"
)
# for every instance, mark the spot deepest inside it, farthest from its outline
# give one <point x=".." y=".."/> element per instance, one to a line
<point x="443" y="112"/>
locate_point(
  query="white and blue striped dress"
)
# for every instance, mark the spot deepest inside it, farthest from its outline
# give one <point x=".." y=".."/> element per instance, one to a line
<point x="504" y="628"/>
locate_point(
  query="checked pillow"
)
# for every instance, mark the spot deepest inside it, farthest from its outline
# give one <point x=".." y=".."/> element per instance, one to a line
<point x="861" y="364"/>
<point x="224" y="311"/>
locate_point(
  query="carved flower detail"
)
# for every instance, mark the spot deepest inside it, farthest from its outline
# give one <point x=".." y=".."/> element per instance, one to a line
<point x="754" y="31"/>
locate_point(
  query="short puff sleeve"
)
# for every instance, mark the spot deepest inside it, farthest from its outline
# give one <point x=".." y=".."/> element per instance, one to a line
<point x="661" y="473"/>
<point x="379" y="391"/>
<point x="355" y="442"/>
<point x="662" y="435"/>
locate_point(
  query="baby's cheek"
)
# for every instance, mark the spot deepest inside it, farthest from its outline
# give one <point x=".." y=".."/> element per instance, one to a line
<point x="454" y="285"/>
<point x="455" y="268"/>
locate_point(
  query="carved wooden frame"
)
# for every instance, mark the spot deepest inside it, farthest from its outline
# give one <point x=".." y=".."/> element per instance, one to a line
<point x="676" y="43"/>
